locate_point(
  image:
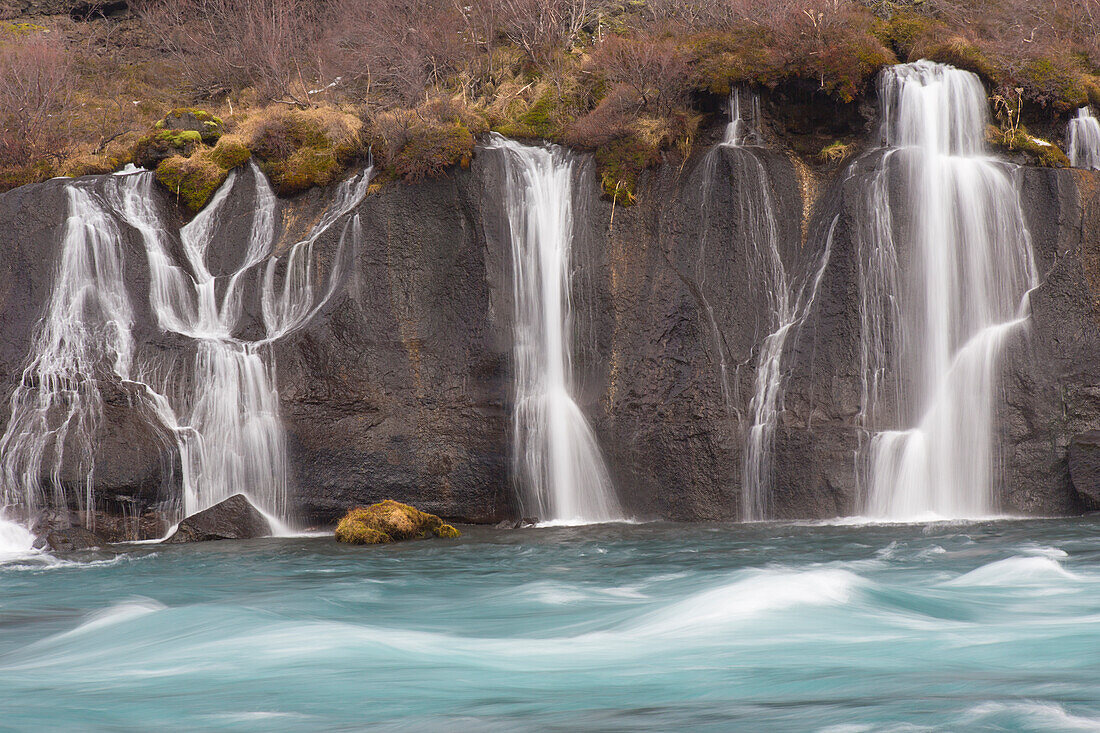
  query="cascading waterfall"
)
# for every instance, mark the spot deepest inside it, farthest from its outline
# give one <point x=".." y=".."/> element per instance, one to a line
<point x="1083" y="140"/>
<point x="557" y="458"/>
<point x="744" y="125"/>
<point x="933" y="330"/>
<point x="226" y="424"/>
<point x="83" y="342"/>
<point x="787" y="302"/>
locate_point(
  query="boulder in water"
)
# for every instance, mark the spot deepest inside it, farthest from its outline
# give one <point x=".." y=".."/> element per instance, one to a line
<point x="1084" y="466"/>
<point x="389" y="521"/>
<point x="232" y="519"/>
<point x="71" y="539"/>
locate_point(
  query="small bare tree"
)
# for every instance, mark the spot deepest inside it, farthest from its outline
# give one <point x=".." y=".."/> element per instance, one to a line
<point x="36" y="82"/>
<point x="227" y="45"/>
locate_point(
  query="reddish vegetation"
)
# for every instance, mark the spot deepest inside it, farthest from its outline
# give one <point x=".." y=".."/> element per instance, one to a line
<point x="632" y="81"/>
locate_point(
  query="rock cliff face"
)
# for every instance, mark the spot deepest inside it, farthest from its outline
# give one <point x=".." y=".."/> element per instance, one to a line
<point x="399" y="387"/>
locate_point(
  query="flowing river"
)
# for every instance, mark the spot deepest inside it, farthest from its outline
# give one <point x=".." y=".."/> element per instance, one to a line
<point x="640" y="627"/>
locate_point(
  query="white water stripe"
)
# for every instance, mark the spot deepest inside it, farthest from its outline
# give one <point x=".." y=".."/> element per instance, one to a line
<point x="1083" y="140"/>
<point x="558" y="462"/>
<point x="937" y="325"/>
<point x="226" y="424"/>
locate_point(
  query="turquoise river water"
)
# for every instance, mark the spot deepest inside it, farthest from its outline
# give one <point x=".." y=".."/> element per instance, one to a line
<point x="765" y="627"/>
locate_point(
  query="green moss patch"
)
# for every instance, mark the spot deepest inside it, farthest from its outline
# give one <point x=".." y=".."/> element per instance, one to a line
<point x="389" y="521"/>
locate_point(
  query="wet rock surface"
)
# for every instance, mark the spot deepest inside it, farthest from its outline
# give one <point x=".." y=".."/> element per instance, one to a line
<point x="400" y="385"/>
<point x="232" y="519"/>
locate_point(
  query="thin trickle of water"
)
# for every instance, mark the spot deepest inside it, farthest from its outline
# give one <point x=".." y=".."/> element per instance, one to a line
<point x="1083" y="140"/>
<point x="744" y="124"/>
<point x="787" y="302"/>
<point x="936" y="325"/>
<point x="558" y="462"/>
<point x="226" y="422"/>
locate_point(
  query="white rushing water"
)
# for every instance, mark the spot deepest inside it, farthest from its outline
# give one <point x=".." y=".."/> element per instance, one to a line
<point x="562" y="472"/>
<point x="786" y="301"/>
<point x="1083" y="140"/>
<point x="943" y="284"/>
<point x="744" y="124"/>
<point x="222" y="410"/>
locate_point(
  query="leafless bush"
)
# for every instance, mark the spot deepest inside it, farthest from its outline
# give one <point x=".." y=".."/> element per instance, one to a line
<point x="654" y="69"/>
<point x="394" y="49"/>
<point x="36" y="82"/>
<point x="227" y="45"/>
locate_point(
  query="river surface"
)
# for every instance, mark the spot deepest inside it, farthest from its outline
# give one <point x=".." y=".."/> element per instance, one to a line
<point x="765" y="627"/>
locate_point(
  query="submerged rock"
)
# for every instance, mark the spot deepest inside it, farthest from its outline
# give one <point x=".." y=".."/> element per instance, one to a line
<point x="232" y="519"/>
<point x="1084" y="466"/>
<point x="389" y="521"/>
<point x="70" y="540"/>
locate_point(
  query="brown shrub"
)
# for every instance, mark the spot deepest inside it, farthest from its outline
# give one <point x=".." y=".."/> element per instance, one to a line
<point x="655" y="69"/>
<point x="393" y="49"/>
<point x="221" y="46"/>
<point x="36" y="83"/>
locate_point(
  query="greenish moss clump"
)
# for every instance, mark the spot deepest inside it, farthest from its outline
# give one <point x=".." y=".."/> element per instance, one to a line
<point x="158" y="145"/>
<point x="1041" y="152"/>
<point x="432" y="149"/>
<point x="620" y="163"/>
<point x="390" y="521"/>
<point x="447" y="531"/>
<point x="301" y="149"/>
<point x="230" y="152"/>
<point x="193" y="180"/>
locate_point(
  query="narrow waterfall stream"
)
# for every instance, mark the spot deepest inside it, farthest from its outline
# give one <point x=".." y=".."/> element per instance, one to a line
<point x="226" y="424"/>
<point x="942" y="285"/>
<point x="558" y="462"/>
<point x="786" y="300"/>
<point x="1083" y="140"/>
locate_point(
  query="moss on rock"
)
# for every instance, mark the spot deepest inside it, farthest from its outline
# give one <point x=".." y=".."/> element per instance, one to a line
<point x="300" y="149"/>
<point x="446" y="531"/>
<point x="230" y="152"/>
<point x="389" y="521"/>
<point x="193" y="180"/>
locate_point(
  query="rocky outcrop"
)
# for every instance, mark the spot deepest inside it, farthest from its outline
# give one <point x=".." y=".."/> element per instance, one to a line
<point x="1083" y="457"/>
<point x="400" y="385"/>
<point x="232" y="519"/>
<point x="390" y="521"/>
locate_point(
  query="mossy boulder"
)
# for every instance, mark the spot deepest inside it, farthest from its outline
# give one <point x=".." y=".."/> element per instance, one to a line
<point x="301" y="149"/>
<point x="390" y="521"/>
<point x="193" y="180"/>
<point x="159" y="145"/>
<point x="209" y="127"/>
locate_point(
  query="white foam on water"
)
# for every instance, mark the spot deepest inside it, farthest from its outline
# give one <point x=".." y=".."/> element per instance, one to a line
<point x="16" y="541"/>
<point x="749" y="597"/>
<point x="1045" y="716"/>
<point x="116" y="614"/>
<point x="1015" y="571"/>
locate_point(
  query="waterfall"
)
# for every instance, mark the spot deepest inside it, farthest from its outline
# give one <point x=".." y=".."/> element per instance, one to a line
<point x="558" y="461"/>
<point x="1083" y="140"/>
<point x="787" y="302"/>
<point x="224" y="410"/>
<point x="942" y="284"/>
<point x="744" y="124"/>
<point x="82" y="344"/>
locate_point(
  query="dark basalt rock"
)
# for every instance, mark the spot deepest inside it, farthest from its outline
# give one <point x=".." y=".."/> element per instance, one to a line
<point x="70" y="540"/>
<point x="401" y="385"/>
<point x="233" y="519"/>
<point x="1084" y="466"/>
